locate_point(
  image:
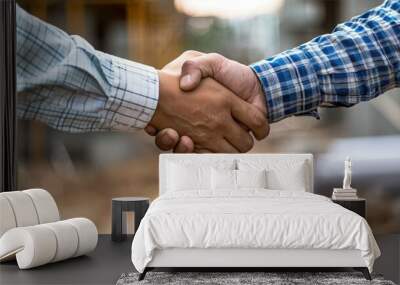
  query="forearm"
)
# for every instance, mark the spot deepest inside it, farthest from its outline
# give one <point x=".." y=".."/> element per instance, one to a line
<point x="357" y="62"/>
<point x="66" y="83"/>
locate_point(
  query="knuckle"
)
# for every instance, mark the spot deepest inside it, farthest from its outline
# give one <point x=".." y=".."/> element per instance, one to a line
<point x="191" y="53"/>
<point x="218" y="61"/>
<point x="161" y="145"/>
<point x="188" y="52"/>
<point x="215" y="55"/>
<point x="182" y="147"/>
<point x="166" y="139"/>
<point x="188" y="64"/>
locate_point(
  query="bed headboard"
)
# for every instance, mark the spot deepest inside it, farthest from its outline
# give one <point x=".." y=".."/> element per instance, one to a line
<point x="165" y="159"/>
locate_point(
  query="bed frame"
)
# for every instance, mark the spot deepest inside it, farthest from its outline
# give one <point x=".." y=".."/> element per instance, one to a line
<point x="236" y="259"/>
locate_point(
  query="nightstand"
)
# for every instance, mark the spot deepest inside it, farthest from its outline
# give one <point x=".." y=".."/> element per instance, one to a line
<point x="358" y="206"/>
<point x="120" y="207"/>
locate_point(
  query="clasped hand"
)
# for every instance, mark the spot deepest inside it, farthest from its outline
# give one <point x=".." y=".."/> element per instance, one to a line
<point x="208" y="103"/>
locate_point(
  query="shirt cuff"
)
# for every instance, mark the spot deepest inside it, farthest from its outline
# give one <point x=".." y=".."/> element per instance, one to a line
<point x="290" y="85"/>
<point x="134" y="96"/>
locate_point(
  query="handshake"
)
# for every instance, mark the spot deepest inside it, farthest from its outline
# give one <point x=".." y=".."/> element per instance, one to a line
<point x="208" y="103"/>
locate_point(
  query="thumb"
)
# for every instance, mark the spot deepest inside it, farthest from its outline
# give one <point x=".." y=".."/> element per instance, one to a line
<point x="195" y="69"/>
<point x="190" y="76"/>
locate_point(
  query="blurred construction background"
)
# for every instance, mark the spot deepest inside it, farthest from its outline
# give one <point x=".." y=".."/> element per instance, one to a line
<point x="84" y="171"/>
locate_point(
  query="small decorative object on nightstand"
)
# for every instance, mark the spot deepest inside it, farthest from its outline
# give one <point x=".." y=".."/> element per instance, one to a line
<point x="120" y="207"/>
<point x="347" y="196"/>
<point x="347" y="192"/>
<point x="358" y="205"/>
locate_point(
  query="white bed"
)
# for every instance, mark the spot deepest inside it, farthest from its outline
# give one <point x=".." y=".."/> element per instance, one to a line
<point x="193" y="224"/>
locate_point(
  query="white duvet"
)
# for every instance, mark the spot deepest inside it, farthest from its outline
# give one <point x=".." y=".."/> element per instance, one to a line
<point x="250" y="219"/>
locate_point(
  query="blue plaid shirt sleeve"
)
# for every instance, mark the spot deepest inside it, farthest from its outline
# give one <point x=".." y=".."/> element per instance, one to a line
<point x="64" y="82"/>
<point x="357" y="62"/>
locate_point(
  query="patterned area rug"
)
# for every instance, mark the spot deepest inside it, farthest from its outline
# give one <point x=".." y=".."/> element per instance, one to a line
<point x="242" y="278"/>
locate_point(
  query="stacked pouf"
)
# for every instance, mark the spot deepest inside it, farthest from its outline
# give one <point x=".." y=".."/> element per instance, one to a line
<point x="31" y="230"/>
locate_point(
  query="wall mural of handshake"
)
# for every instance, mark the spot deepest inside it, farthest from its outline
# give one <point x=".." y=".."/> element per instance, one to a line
<point x="202" y="102"/>
<point x="32" y="233"/>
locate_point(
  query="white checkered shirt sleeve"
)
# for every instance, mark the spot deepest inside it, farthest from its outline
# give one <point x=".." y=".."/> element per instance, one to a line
<point x="64" y="82"/>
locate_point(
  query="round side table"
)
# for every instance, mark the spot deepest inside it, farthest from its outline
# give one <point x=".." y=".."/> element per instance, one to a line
<point x="120" y="206"/>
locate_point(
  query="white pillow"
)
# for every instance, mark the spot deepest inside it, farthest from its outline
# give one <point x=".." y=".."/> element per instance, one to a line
<point x="291" y="179"/>
<point x="182" y="177"/>
<point x="251" y="178"/>
<point x="223" y="179"/>
<point x="187" y="174"/>
<point x="227" y="179"/>
<point x="283" y="174"/>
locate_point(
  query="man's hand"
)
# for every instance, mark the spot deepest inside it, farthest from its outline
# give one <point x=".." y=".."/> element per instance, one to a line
<point x="237" y="77"/>
<point x="209" y="115"/>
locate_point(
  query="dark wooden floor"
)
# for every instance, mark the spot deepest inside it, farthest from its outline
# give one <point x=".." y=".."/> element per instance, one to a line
<point x="110" y="260"/>
<point x="102" y="266"/>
